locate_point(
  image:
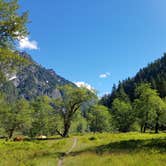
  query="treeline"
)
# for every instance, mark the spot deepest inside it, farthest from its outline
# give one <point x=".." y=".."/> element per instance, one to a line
<point x="146" y="111"/>
<point x="78" y="111"/>
<point x="154" y="75"/>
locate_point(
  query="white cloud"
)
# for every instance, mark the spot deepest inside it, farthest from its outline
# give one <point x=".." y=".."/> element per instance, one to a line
<point x="104" y="75"/>
<point x="85" y="85"/>
<point x="25" y="43"/>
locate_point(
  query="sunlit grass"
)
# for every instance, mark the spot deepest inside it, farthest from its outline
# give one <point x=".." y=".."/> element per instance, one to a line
<point x="106" y="149"/>
<point x="117" y="159"/>
<point x="124" y="149"/>
<point x="35" y="153"/>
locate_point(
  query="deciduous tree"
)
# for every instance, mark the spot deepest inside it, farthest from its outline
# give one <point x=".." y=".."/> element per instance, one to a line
<point x="70" y="102"/>
<point x="15" y="116"/>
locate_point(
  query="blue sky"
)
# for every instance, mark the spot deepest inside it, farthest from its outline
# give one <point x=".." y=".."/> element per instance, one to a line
<point x="84" y="40"/>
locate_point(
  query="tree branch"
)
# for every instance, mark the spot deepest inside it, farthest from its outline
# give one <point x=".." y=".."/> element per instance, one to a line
<point x="59" y="132"/>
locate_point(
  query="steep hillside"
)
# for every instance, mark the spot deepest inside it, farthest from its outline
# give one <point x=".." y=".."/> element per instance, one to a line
<point x="154" y="73"/>
<point x="33" y="80"/>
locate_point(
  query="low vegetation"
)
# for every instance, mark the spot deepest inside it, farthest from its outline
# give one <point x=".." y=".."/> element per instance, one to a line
<point x="35" y="152"/>
<point x="121" y="149"/>
<point x="131" y="149"/>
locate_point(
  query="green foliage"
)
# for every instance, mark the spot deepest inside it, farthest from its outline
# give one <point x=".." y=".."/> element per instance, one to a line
<point x="79" y="123"/>
<point x="147" y="100"/>
<point x="12" y="28"/>
<point x="122" y="115"/>
<point x="70" y="102"/>
<point x="44" y="119"/>
<point x="149" y="106"/>
<point x="99" y="118"/>
<point x="12" y="24"/>
<point x="154" y="73"/>
<point x="15" y="116"/>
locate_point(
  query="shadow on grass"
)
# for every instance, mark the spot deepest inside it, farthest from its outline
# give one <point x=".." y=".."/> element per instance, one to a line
<point x="128" y="146"/>
<point x="133" y="145"/>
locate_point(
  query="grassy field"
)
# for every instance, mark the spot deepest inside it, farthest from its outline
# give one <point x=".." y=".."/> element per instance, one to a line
<point x="131" y="149"/>
<point x="127" y="149"/>
<point x="33" y="153"/>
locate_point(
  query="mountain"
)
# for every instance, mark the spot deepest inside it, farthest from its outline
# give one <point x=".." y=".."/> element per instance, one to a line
<point x="154" y="73"/>
<point x="33" y="80"/>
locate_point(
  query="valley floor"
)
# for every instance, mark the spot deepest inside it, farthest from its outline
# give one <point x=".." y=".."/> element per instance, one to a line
<point x="124" y="149"/>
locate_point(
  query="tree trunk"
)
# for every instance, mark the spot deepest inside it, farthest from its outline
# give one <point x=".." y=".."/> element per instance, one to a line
<point x="67" y="125"/>
<point x="146" y="124"/>
<point x="10" y="133"/>
<point x="157" y="125"/>
<point x="145" y="127"/>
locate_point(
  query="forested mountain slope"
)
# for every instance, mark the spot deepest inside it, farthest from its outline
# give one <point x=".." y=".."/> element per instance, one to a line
<point x="154" y="73"/>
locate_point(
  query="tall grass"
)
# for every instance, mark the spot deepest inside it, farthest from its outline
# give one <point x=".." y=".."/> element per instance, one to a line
<point x="124" y="149"/>
<point x="127" y="149"/>
<point x="34" y="153"/>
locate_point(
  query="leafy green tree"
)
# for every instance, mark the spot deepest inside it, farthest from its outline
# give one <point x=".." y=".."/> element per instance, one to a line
<point x="12" y="24"/>
<point x="79" y="123"/>
<point x="70" y="102"/>
<point x="99" y="118"/>
<point x="162" y="119"/>
<point x="44" y="119"/>
<point x="122" y="114"/>
<point x="149" y="106"/>
<point x="145" y="111"/>
<point x="3" y="107"/>
<point x="160" y="110"/>
<point x="12" y="29"/>
<point x="15" y="116"/>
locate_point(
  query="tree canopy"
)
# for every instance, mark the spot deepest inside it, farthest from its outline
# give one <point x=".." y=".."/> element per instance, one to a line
<point x="12" y="24"/>
<point x="70" y="102"/>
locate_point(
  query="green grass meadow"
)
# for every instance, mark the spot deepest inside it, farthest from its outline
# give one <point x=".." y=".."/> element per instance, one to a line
<point x="131" y="149"/>
<point x="33" y="153"/>
<point x="124" y="149"/>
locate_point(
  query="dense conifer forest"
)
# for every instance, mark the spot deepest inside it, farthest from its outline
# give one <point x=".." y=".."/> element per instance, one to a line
<point x="154" y="73"/>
